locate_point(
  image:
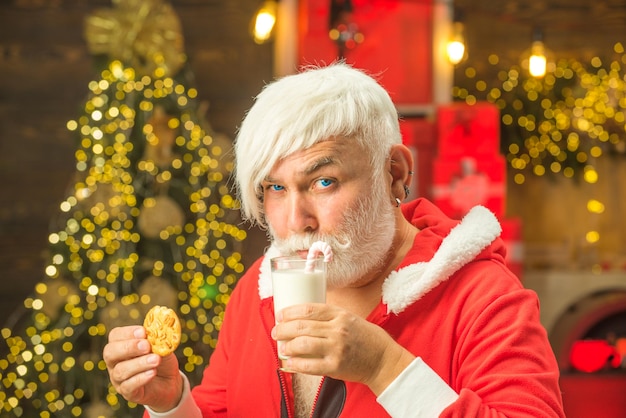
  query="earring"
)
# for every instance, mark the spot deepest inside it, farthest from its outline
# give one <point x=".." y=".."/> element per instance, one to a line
<point x="407" y="191"/>
<point x="411" y="173"/>
<point x="398" y="202"/>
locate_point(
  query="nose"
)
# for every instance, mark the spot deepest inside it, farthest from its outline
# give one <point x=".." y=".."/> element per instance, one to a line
<point x="300" y="214"/>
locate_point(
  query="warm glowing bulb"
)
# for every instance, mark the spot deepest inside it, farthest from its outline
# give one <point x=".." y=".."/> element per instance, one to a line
<point x="537" y="63"/>
<point x="264" y="22"/>
<point x="455" y="51"/>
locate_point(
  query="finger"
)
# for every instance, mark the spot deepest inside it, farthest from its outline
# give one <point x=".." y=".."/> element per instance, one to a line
<point x="309" y="365"/>
<point x="306" y="346"/>
<point x="300" y="327"/>
<point x="131" y="370"/>
<point x="125" y="349"/>
<point x="127" y="333"/>
<point x="133" y="388"/>
<point x="315" y="311"/>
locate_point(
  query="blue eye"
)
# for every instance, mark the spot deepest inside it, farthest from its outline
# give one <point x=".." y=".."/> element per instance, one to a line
<point x="326" y="182"/>
<point x="276" y="187"/>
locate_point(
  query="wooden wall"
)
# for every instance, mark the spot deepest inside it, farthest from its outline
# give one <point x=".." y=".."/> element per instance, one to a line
<point x="44" y="70"/>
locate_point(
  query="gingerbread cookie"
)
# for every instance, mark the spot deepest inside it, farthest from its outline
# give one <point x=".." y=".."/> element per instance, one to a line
<point x="163" y="330"/>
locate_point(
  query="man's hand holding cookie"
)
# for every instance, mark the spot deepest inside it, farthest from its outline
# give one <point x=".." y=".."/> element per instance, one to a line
<point x="139" y="373"/>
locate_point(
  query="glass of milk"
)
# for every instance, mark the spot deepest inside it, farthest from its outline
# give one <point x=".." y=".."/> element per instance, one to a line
<point x="297" y="280"/>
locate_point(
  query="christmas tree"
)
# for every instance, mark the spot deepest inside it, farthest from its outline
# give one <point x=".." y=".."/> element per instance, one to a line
<point x="149" y="220"/>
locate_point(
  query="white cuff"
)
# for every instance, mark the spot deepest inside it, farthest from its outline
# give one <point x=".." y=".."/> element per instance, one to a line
<point x="186" y="408"/>
<point x="417" y="392"/>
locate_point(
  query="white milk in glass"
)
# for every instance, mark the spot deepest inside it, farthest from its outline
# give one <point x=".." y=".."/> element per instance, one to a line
<point x="293" y="284"/>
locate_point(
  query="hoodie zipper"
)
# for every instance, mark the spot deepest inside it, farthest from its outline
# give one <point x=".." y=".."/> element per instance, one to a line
<point x="283" y="388"/>
<point x="317" y="396"/>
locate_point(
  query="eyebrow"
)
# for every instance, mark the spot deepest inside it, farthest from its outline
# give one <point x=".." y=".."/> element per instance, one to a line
<point x="317" y="165"/>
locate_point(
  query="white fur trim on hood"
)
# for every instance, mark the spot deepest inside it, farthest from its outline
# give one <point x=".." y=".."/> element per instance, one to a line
<point x="265" y="273"/>
<point x="466" y="240"/>
<point x="474" y="233"/>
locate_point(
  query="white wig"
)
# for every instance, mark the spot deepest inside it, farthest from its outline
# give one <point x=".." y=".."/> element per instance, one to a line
<point x="300" y="110"/>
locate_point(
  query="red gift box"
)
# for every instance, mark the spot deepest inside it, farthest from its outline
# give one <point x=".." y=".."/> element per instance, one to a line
<point x="468" y="130"/>
<point x="460" y="184"/>
<point x="383" y="29"/>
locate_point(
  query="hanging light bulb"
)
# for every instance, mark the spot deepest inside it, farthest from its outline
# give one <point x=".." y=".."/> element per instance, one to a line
<point x="537" y="63"/>
<point x="455" y="48"/>
<point x="538" y="59"/>
<point x="264" y="21"/>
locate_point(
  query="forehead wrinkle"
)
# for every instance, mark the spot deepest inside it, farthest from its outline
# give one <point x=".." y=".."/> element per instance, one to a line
<point x="319" y="164"/>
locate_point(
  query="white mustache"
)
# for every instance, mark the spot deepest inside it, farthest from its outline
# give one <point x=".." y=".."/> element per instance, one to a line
<point x="295" y="243"/>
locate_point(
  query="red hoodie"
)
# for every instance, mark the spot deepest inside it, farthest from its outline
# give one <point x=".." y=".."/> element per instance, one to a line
<point x="452" y="302"/>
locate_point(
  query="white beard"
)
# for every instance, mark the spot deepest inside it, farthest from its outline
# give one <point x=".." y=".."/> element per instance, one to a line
<point x="361" y="243"/>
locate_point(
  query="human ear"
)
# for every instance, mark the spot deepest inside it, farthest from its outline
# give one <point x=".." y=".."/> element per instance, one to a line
<point x="401" y="170"/>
